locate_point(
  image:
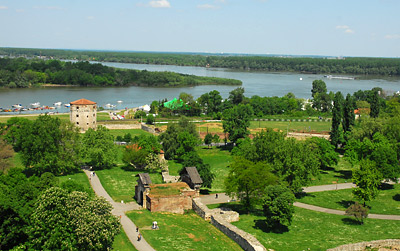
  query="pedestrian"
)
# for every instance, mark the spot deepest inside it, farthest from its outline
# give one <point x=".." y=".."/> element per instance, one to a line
<point x="137" y="229"/>
<point x="94" y="174"/>
<point x="216" y="196"/>
<point x="139" y="237"/>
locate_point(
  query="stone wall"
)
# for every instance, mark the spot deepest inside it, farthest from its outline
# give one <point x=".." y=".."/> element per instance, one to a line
<point x="147" y="128"/>
<point x="121" y="126"/>
<point x="368" y="244"/>
<point x="219" y="218"/>
<point x="174" y="204"/>
<point x="245" y="240"/>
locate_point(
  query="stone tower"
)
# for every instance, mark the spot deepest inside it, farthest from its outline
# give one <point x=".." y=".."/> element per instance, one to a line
<point x="83" y="114"/>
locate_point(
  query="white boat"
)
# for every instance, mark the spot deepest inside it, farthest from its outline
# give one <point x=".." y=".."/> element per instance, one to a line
<point x="67" y="105"/>
<point x="17" y="106"/>
<point x="119" y="101"/>
<point x="109" y="106"/>
<point x="35" y="105"/>
<point x="57" y="104"/>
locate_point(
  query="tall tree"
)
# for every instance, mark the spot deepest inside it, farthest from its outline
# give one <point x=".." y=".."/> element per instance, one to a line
<point x="319" y="95"/>
<point x="367" y="178"/>
<point x="236" y="96"/>
<point x="337" y="115"/>
<point x="375" y="103"/>
<point x="348" y="113"/>
<point x="236" y="121"/>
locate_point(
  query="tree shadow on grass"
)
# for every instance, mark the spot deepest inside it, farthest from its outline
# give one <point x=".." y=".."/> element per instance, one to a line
<point x="261" y="225"/>
<point x="351" y="221"/>
<point x="227" y="147"/>
<point x="386" y="186"/>
<point x="396" y="197"/>
<point x="344" y="174"/>
<point x="345" y="203"/>
<point x="303" y="194"/>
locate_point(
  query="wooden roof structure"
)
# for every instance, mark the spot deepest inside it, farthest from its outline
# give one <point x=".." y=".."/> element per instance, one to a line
<point x="145" y="178"/>
<point x="193" y="175"/>
<point x="82" y="101"/>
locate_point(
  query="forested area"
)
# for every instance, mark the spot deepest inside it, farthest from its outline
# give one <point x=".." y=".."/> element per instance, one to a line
<point x="21" y="73"/>
<point x="349" y="65"/>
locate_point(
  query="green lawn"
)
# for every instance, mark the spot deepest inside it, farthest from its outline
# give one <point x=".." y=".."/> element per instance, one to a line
<point x="387" y="201"/>
<point x="174" y="167"/>
<point x="218" y="159"/>
<point x="133" y="132"/>
<point x="79" y="178"/>
<point x="341" y="173"/>
<point x="122" y="243"/>
<point x="293" y="126"/>
<point x="181" y="232"/>
<point x="317" y="231"/>
<point x="120" y="184"/>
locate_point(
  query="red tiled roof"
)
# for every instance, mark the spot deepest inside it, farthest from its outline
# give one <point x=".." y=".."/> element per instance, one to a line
<point x="82" y="101"/>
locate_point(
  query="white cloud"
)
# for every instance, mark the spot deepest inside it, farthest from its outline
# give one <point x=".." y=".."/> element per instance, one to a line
<point x="3" y="7"/>
<point x="346" y="28"/>
<point x="159" y="4"/>
<point x="393" y="36"/>
<point x="207" y="7"/>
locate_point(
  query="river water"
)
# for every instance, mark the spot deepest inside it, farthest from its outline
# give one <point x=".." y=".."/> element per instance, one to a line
<point x="254" y="83"/>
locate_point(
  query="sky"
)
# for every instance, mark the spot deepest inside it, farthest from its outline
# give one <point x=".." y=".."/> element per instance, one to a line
<point x="366" y="28"/>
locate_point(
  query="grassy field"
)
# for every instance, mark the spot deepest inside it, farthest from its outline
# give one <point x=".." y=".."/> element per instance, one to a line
<point x="79" y="178"/>
<point x="292" y="126"/>
<point x="61" y="116"/>
<point x="341" y="173"/>
<point x="316" y="231"/>
<point x="120" y="184"/>
<point x="133" y="132"/>
<point x="387" y="201"/>
<point x="180" y="232"/>
<point x="218" y="159"/>
<point x="122" y="243"/>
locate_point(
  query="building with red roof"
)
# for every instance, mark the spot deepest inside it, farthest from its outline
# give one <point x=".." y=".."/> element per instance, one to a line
<point x="83" y="114"/>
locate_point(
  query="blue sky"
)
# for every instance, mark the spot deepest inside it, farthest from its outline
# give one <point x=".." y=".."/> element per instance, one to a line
<point x="296" y="27"/>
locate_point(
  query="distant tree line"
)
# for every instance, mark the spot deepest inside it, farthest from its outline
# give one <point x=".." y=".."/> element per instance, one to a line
<point x="21" y="72"/>
<point x="354" y="66"/>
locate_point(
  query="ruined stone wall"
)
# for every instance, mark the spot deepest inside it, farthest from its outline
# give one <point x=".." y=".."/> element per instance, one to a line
<point x="147" y="129"/>
<point x="174" y="204"/>
<point x="368" y="245"/>
<point x="245" y="240"/>
<point x="219" y="219"/>
<point x="121" y="126"/>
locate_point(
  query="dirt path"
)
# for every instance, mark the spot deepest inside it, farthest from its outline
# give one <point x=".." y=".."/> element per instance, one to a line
<point x="119" y="210"/>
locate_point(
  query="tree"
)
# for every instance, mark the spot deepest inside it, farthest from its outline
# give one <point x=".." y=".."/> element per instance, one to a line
<point x="154" y="162"/>
<point x="236" y="96"/>
<point x="325" y="152"/>
<point x="318" y="86"/>
<point x="135" y="157"/>
<point x="212" y="101"/>
<point x="73" y="221"/>
<point x="318" y="93"/>
<point x="246" y="181"/>
<point x="278" y="206"/>
<point x="375" y="103"/>
<point x="208" y="139"/>
<point x="99" y="149"/>
<point x="236" y="121"/>
<point x="46" y="144"/>
<point x="358" y="211"/>
<point x="367" y="178"/>
<point x="150" y="119"/>
<point x="337" y="115"/>
<point x="216" y="139"/>
<point x="348" y="114"/>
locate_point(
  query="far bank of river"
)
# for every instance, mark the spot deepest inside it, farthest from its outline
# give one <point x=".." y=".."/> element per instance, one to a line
<point x="254" y="83"/>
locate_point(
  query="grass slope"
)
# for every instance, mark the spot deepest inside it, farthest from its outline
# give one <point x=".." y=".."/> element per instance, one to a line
<point x="122" y="243"/>
<point x="120" y="184"/>
<point x="79" y="178"/>
<point x="387" y="201"/>
<point x="341" y="173"/>
<point x="317" y="231"/>
<point x="181" y="232"/>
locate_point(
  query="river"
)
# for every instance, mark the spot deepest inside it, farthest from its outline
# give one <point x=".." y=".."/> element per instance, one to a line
<point x="254" y="83"/>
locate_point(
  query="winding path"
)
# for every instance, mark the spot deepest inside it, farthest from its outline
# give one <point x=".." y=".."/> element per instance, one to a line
<point x="222" y="198"/>
<point x="119" y="210"/>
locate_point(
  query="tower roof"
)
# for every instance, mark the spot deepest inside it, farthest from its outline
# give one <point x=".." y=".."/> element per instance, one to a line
<point x="82" y="101"/>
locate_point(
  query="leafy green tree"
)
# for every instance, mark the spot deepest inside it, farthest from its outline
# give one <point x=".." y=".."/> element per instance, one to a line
<point x="208" y="139"/>
<point x="73" y="221"/>
<point x="246" y="181"/>
<point x="278" y="206"/>
<point x="46" y="144"/>
<point x="135" y="157"/>
<point x="324" y="150"/>
<point x="348" y="113"/>
<point x="337" y="116"/>
<point x="236" y="121"/>
<point x="236" y="96"/>
<point x="154" y="162"/>
<point x="318" y="86"/>
<point x="358" y="211"/>
<point x="99" y="149"/>
<point x="212" y="101"/>
<point x="150" y="119"/>
<point x="320" y="97"/>
<point x="192" y="158"/>
<point x="216" y="139"/>
<point x="368" y="179"/>
<point x="375" y="104"/>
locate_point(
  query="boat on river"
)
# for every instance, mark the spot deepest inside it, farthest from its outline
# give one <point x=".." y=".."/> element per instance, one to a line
<point x="35" y="105"/>
<point x="339" y="77"/>
<point x="57" y="104"/>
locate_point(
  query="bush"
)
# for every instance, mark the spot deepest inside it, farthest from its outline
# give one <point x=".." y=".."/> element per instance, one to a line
<point x="358" y="211"/>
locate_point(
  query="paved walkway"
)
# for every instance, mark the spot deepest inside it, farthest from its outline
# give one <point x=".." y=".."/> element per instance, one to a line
<point x="119" y="210"/>
<point x="222" y="198"/>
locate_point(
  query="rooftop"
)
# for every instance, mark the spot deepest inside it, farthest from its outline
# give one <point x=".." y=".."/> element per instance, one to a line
<point x="82" y="101"/>
<point x="170" y="189"/>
